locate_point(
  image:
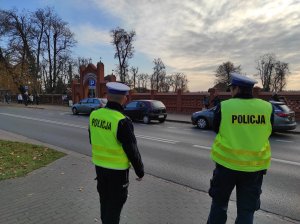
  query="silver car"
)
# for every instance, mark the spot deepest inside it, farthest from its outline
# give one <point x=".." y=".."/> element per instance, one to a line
<point x="87" y="105"/>
<point x="284" y="118"/>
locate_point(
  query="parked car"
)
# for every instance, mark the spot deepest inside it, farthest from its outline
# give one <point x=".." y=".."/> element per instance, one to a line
<point x="146" y="110"/>
<point x="204" y="119"/>
<point x="87" y="105"/>
<point x="284" y="117"/>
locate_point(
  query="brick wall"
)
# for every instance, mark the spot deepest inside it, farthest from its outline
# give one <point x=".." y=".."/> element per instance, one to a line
<point x="190" y="102"/>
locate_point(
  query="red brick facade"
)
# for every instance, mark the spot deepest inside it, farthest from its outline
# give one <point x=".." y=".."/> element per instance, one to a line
<point x="175" y="102"/>
<point x="190" y="102"/>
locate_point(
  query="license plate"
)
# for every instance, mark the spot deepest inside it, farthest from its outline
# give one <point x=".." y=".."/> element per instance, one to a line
<point x="161" y="116"/>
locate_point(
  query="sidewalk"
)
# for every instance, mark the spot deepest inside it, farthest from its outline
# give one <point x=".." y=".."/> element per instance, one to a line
<point x="64" y="192"/>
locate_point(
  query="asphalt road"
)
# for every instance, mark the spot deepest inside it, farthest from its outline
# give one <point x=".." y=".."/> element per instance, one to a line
<point x="173" y="151"/>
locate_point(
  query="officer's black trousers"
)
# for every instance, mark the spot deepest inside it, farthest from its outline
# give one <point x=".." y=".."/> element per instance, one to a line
<point x="112" y="186"/>
<point x="248" y="190"/>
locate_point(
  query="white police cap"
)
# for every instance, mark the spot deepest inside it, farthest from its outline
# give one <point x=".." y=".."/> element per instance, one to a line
<point x="241" y="80"/>
<point x="117" y="88"/>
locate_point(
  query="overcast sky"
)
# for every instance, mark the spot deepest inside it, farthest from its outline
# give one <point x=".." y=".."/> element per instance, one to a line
<point x="190" y="36"/>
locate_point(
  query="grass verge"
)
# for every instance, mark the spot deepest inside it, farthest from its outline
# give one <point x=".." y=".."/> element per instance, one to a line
<point x="18" y="159"/>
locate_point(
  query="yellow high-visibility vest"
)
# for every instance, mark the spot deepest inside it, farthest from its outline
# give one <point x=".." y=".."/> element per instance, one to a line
<point x="243" y="140"/>
<point x="107" y="151"/>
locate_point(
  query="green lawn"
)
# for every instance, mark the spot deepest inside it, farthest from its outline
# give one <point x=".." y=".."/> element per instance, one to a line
<point x="18" y="159"/>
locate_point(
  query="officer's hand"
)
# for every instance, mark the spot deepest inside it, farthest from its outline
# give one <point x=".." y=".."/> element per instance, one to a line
<point x="139" y="178"/>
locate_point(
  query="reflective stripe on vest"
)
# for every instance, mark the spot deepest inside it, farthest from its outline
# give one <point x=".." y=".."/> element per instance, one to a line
<point x="107" y="151"/>
<point x="242" y="142"/>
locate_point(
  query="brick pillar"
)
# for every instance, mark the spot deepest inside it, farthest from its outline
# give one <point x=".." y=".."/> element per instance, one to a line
<point x="74" y="89"/>
<point x="100" y="79"/>
<point x="81" y="91"/>
<point x="256" y="92"/>
<point x="179" y="101"/>
<point x="100" y="71"/>
<point x="212" y="94"/>
<point x="129" y="97"/>
<point x="153" y="93"/>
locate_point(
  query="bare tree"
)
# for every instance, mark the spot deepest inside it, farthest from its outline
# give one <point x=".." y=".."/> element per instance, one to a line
<point x="134" y="71"/>
<point x="143" y="79"/>
<point x="159" y="73"/>
<point x="18" y="31"/>
<point x="166" y="85"/>
<point x="38" y="44"/>
<point x="38" y="20"/>
<point x="58" y="40"/>
<point x="265" y="67"/>
<point x="223" y="72"/>
<point x="279" y="79"/>
<point x="123" y="43"/>
<point x="179" y="81"/>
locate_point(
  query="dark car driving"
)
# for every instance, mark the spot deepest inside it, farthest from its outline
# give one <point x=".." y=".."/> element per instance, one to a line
<point x="87" y="105"/>
<point x="284" y="117"/>
<point x="146" y="110"/>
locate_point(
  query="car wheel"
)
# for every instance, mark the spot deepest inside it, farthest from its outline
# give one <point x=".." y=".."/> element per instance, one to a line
<point x="161" y="120"/>
<point x="202" y="123"/>
<point x="74" y="110"/>
<point x="146" y="119"/>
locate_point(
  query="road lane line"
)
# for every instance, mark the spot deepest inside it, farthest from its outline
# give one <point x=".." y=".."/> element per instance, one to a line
<point x="84" y="127"/>
<point x="44" y="120"/>
<point x="286" y="162"/>
<point x="273" y="159"/>
<point x="202" y="147"/>
<point x="157" y="139"/>
<point x="139" y="136"/>
<point x="285" y="141"/>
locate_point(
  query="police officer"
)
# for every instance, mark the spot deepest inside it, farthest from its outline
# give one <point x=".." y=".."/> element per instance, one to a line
<point x="241" y="151"/>
<point x="114" y="148"/>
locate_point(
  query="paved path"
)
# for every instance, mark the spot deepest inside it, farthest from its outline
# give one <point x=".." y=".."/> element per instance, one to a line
<point x="64" y="192"/>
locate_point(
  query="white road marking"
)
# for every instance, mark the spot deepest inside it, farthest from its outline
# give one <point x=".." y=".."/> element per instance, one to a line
<point x="139" y="136"/>
<point x="85" y="127"/>
<point x="285" y="141"/>
<point x="172" y="127"/>
<point x="202" y="147"/>
<point x="286" y="162"/>
<point x="273" y="159"/>
<point x="46" y="121"/>
<point x="157" y="139"/>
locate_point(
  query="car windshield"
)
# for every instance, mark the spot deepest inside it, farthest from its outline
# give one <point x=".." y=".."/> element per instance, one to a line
<point x="157" y="104"/>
